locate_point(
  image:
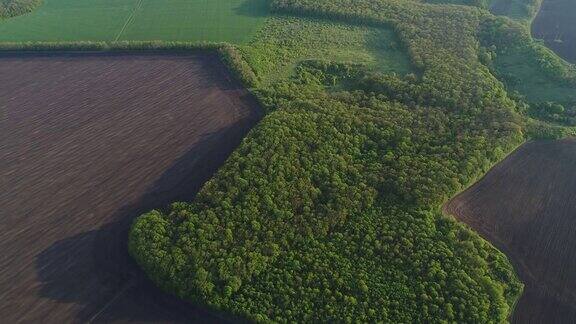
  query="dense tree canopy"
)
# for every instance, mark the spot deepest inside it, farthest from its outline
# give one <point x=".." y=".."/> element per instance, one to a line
<point x="322" y="215"/>
<point x="13" y="8"/>
<point x="329" y="210"/>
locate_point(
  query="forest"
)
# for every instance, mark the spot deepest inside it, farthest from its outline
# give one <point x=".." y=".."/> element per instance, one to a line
<point x="376" y="113"/>
<point x="329" y="210"/>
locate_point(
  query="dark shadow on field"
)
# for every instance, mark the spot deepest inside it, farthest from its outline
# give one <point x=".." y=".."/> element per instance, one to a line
<point x="253" y="8"/>
<point x="93" y="270"/>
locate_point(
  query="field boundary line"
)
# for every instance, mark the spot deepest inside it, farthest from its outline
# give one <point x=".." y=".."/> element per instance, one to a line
<point x="129" y="20"/>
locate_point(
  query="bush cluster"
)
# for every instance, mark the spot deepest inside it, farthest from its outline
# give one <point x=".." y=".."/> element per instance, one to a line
<point x="13" y="8"/>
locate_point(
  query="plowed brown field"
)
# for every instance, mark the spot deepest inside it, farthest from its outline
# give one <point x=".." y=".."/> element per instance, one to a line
<point x="526" y="206"/>
<point x="555" y="24"/>
<point x="88" y="142"/>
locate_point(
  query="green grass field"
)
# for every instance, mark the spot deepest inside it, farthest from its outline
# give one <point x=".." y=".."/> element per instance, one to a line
<point x="284" y="42"/>
<point x="232" y="21"/>
<point x="522" y="74"/>
<point x="520" y="10"/>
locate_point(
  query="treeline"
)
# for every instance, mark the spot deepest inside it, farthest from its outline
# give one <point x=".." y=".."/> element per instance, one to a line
<point x="229" y="55"/>
<point x="13" y="8"/>
<point x="555" y="112"/>
<point x="485" y="4"/>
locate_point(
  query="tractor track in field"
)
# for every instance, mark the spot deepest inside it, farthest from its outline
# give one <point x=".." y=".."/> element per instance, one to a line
<point x="129" y="20"/>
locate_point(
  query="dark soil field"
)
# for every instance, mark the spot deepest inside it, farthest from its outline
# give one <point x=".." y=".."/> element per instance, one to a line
<point x="88" y="142"/>
<point x="526" y="206"/>
<point x="556" y="25"/>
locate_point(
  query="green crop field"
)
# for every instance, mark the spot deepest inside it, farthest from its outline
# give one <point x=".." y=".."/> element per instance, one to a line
<point x="106" y="20"/>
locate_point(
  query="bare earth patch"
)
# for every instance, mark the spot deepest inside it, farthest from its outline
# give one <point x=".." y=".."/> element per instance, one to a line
<point x="88" y="142"/>
<point x="526" y="206"/>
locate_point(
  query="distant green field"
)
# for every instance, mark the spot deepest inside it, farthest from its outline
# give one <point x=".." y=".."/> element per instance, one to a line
<point x="107" y="20"/>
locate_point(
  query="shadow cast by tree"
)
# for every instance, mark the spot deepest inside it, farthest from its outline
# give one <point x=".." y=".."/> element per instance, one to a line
<point x="93" y="270"/>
